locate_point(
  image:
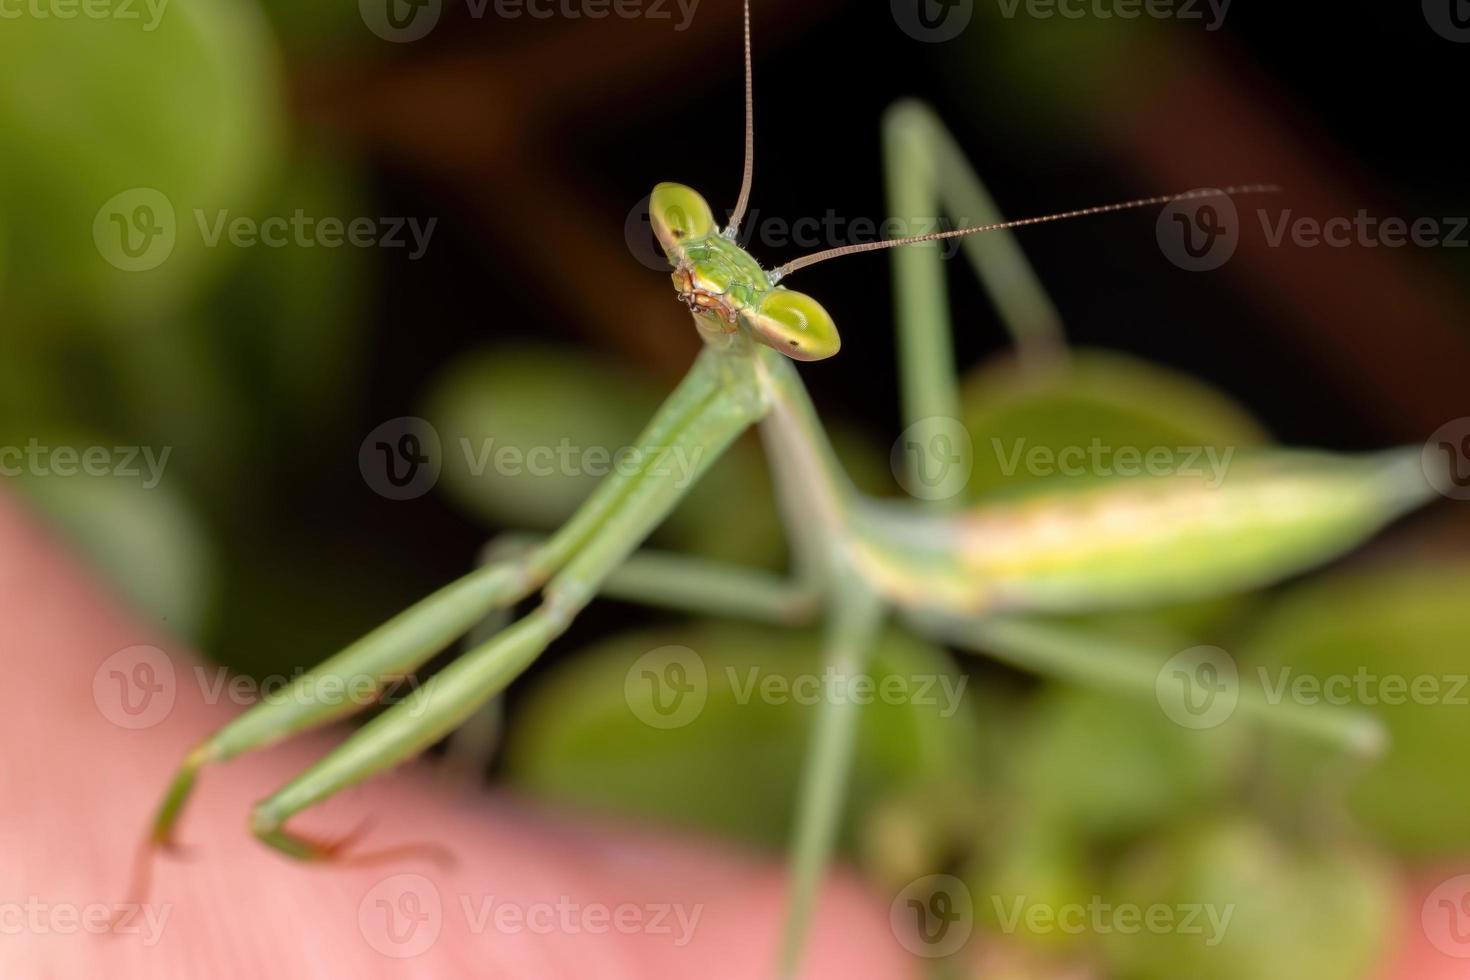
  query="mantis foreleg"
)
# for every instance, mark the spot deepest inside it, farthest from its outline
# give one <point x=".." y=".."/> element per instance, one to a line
<point x="407" y="641"/>
<point x="432" y="711"/>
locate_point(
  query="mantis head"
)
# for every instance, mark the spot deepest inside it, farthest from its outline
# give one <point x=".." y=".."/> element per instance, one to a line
<point x="728" y="292"/>
<point x="726" y="289"/>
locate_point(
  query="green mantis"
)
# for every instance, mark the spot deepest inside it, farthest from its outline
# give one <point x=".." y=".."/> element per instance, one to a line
<point x="984" y="579"/>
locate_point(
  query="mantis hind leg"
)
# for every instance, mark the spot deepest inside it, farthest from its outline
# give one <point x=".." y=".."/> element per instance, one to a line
<point x="851" y="629"/>
<point x="1132" y="669"/>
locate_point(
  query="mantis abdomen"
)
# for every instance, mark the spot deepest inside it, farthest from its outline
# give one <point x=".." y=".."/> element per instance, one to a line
<point x="1141" y="541"/>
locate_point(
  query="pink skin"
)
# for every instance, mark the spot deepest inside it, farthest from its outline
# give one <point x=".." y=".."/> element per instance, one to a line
<point x="1444" y="956"/>
<point x="78" y="790"/>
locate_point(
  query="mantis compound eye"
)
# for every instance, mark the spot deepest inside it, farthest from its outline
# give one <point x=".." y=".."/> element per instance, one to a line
<point x="679" y="215"/>
<point x="794" y="324"/>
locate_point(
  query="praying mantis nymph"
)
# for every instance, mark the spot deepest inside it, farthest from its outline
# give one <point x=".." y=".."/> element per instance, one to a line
<point x="983" y="579"/>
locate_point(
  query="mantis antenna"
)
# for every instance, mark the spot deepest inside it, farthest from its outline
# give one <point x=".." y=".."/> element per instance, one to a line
<point x="744" y="200"/>
<point x="1142" y="202"/>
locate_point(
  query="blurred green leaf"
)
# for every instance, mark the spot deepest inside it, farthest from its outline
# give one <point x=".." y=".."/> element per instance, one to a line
<point x="295" y="317"/>
<point x="517" y="424"/>
<point x="149" y="121"/>
<point x="1097" y="402"/>
<point x="1037" y="868"/>
<point x="735" y="765"/>
<point x="1104" y="767"/>
<point x="1394" y="642"/>
<point x="1262" y="910"/>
